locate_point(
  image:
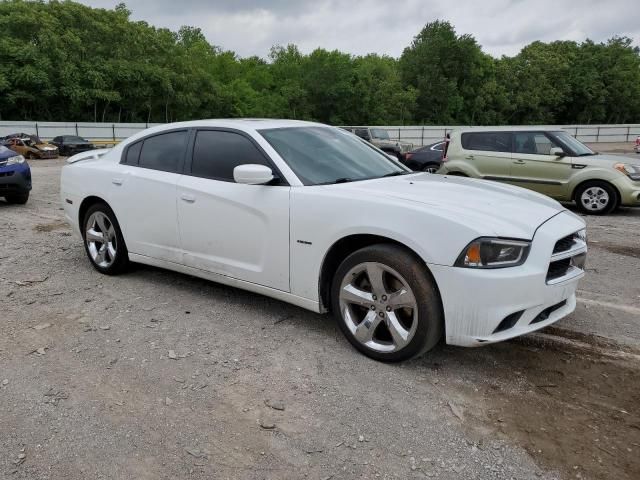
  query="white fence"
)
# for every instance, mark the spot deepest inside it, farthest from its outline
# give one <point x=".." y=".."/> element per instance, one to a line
<point x="417" y="135"/>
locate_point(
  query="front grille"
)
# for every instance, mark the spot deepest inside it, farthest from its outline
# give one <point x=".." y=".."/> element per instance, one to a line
<point x="564" y="244"/>
<point x="558" y="269"/>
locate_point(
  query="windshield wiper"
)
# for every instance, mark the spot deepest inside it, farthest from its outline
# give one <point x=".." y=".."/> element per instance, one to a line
<point x="343" y="180"/>
<point x="395" y="174"/>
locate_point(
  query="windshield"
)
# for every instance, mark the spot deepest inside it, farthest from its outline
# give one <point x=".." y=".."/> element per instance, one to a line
<point x="576" y="146"/>
<point x="74" y="139"/>
<point x="322" y="155"/>
<point x="379" y="133"/>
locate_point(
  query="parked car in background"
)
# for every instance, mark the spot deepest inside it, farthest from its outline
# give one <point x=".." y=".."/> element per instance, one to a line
<point x="381" y="139"/>
<point x="71" y="144"/>
<point x="551" y="162"/>
<point x="636" y="147"/>
<point x="31" y="147"/>
<point x="311" y="215"/>
<point x="425" y="159"/>
<point x="15" y="176"/>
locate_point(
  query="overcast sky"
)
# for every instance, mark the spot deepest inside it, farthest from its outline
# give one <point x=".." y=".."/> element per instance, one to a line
<point x="251" y="27"/>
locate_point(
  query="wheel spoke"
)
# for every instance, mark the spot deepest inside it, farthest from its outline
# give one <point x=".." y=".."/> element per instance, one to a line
<point x="112" y="251"/>
<point x="94" y="236"/>
<point x="375" y="273"/>
<point x="366" y="328"/>
<point x="100" y="257"/>
<point x="402" y="298"/>
<point x="353" y="294"/>
<point x="398" y="333"/>
<point x="111" y="233"/>
<point x="100" y="220"/>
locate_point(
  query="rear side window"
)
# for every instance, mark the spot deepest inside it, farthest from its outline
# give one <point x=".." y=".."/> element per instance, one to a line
<point x="133" y="152"/>
<point x="362" y="133"/>
<point x="163" y="152"/>
<point x="217" y="153"/>
<point x="487" y="141"/>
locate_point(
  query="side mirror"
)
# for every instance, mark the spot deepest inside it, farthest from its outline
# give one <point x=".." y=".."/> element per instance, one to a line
<point x="252" y="174"/>
<point x="557" y="151"/>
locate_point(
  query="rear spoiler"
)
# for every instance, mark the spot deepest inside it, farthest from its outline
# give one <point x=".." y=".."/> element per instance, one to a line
<point x="90" y="155"/>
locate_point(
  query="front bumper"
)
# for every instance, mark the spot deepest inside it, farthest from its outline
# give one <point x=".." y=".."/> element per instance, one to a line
<point x="629" y="191"/>
<point x="476" y="302"/>
<point x="15" y="179"/>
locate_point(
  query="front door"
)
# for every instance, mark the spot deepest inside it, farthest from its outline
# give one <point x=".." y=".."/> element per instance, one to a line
<point x="534" y="166"/>
<point x="237" y="230"/>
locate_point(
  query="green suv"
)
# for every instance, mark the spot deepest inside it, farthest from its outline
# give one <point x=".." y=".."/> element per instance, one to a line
<point x="551" y="162"/>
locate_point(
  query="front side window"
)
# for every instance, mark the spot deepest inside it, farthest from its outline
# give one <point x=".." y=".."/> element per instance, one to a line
<point x="322" y="155"/>
<point x="487" y="141"/>
<point x="216" y="153"/>
<point x="533" y="143"/>
<point x="163" y="152"/>
<point x="380" y="134"/>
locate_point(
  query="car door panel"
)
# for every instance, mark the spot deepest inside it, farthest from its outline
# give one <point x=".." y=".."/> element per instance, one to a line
<point x="241" y="231"/>
<point x="489" y="154"/>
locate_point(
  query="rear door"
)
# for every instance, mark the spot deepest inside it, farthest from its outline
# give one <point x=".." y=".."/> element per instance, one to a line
<point x="535" y="168"/>
<point x="488" y="154"/>
<point x="144" y="194"/>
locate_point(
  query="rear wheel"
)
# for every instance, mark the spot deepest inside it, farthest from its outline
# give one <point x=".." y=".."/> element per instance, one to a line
<point x="431" y="168"/>
<point x="103" y="240"/>
<point x="596" y="198"/>
<point x="19" y="199"/>
<point x="386" y="303"/>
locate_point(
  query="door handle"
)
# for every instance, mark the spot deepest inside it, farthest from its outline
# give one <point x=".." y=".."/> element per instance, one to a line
<point x="519" y="162"/>
<point x="469" y="157"/>
<point x="188" y="198"/>
<point x="116" y="181"/>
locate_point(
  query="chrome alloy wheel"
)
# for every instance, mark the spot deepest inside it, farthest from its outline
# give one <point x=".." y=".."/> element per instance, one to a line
<point x="430" y="169"/>
<point x="378" y="307"/>
<point x="595" y="199"/>
<point x="101" y="239"/>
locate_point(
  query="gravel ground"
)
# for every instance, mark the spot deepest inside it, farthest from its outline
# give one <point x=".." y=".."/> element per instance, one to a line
<point x="155" y="374"/>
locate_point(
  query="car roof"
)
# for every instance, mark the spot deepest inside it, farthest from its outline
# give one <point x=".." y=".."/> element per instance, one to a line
<point x="519" y="128"/>
<point x="245" y="123"/>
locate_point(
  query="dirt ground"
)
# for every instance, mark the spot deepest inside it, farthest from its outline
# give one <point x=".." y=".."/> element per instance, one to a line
<point x="155" y="374"/>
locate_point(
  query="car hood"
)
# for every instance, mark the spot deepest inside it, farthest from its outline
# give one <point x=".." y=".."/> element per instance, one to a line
<point x="604" y="160"/>
<point x="491" y="208"/>
<point x="45" y="146"/>
<point x="6" y="153"/>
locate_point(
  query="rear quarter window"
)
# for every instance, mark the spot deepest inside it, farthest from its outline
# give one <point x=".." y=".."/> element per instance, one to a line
<point x="487" y="141"/>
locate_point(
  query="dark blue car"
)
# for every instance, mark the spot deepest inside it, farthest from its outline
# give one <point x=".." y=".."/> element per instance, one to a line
<point x="15" y="177"/>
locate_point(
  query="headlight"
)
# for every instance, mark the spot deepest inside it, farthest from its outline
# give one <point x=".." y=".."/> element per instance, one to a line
<point x="631" y="171"/>
<point x="15" y="160"/>
<point x="494" y="253"/>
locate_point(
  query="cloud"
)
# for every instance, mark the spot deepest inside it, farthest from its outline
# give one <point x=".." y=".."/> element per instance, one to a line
<point x="252" y="27"/>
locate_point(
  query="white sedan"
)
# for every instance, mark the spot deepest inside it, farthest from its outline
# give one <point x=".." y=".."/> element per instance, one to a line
<point x="314" y="216"/>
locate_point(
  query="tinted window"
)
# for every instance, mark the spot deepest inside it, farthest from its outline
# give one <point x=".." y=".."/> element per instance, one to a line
<point x="217" y="153"/>
<point x="487" y="141"/>
<point x="535" y="143"/>
<point x="57" y="139"/>
<point x="362" y="132"/>
<point x="133" y="152"/>
<point x="163" y="152"/>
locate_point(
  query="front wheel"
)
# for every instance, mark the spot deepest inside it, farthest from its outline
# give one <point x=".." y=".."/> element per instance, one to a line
<point x="596" y="198"/>
<point x="431" y="168"/>
<point x="386" y="303"/>
<point x="19" y="199"/>
<point x="103" y="240"/>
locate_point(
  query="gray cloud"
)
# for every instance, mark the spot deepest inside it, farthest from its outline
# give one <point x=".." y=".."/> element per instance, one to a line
<point x="251" y="27"/>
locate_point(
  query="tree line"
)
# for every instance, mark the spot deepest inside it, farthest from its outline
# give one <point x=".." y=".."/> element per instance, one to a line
<point x="65" y="61"/>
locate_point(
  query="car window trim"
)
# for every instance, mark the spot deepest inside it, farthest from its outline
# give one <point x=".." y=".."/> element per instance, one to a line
<point x="282" y="182"/>
<point x="181" y="162"/>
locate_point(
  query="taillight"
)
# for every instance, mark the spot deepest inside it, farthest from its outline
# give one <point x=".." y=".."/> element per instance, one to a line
<point x="408" y="155"/>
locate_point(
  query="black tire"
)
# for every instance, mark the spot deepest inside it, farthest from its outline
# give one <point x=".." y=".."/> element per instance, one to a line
<point x="430" y="319"/>
<point x="19" y="199"/>
<point x="120" y="260"/>
<point x="602" y="204"/>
